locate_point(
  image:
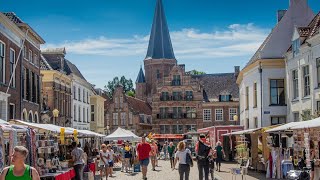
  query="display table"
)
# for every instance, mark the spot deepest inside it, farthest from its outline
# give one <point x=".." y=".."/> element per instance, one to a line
<point x="60" y="175"/>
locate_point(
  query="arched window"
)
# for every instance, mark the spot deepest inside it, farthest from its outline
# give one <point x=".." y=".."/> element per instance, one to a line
<point x="36" y="118"/>
<point x="24" y="115"/>
<point x="30" y="119"/>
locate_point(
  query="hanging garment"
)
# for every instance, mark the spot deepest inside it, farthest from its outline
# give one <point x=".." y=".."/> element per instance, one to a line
<point x="274" y="163"/>
<point x="1" y="150"/>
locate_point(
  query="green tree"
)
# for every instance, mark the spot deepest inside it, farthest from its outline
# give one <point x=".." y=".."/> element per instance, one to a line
<point x="127" y="85"/>
<point x="195" y="72"/>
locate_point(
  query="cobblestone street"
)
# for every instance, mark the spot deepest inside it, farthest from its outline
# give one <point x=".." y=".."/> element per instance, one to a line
<point x="165" y="172"/>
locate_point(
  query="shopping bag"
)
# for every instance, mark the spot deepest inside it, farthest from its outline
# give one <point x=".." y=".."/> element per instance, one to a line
<point x="136" y="168"/>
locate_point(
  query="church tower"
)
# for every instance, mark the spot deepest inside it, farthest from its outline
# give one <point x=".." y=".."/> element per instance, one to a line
<point x="141" y="86"/>
<point x="160" y="56"/>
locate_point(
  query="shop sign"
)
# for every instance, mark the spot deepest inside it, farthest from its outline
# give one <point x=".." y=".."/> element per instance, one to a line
<point x="266" y="112"/>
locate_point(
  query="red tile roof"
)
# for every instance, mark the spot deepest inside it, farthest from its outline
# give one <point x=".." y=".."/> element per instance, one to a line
<point x="138" y="105"/>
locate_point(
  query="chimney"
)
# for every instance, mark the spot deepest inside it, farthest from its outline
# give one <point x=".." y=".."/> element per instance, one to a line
<point x="236" y="71"/>
<point x="280" y="14"/>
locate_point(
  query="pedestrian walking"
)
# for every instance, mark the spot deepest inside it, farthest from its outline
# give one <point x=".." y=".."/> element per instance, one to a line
<point x="143" y="150"/>
<point x="165" y="148"/>
<point x="171" y="150"/>
<point x="110" y="155"/>
<point x="181" y="156"/>
<point x="18" y="169"/>
<point x="122" y="152"/>
<point x="103" y="164"/>
<point x="153" y="154"/>
<point x="78" y="163"/>
<point x="128" y="156"/>
<point x="202" y="149"/>
<point x="220" y="154"/>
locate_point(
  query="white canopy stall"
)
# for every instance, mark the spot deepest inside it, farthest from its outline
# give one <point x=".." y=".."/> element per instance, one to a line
<point x="122" y="134"/>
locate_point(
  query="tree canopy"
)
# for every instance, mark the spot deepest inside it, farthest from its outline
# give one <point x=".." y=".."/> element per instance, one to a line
<point x="195" y="72"/>
<point x="127" y="85"/>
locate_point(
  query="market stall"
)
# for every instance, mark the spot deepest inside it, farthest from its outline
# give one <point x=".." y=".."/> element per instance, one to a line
<point x="122" y="134"/>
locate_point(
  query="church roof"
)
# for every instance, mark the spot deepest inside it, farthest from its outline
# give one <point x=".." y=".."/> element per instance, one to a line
<point x="279" y="40"/>
<point x="160" y="46"/>
<point x="141" y="78"/>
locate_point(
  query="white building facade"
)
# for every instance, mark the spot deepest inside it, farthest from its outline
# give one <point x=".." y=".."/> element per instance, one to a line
<point x="81" y="92"/>
<point x="262" y="82"/>
<point x="303" y="73"/>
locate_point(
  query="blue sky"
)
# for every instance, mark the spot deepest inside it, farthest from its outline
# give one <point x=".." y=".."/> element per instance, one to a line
<point x="108" y="38"/>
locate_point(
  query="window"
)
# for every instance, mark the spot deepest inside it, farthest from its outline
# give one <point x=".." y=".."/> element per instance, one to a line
<point x="306" y="115"/>
<point x="74" y="113"/>
<point x="295" y="84"/>
<point x="30" y="56"/>
<point x="278" y="120"/>
<point x="158" y="74"/>
<point x="35" y="59"/>
<point x="84" y="115"/>
<point x="207" y="115"/>
<point x="130" y="118"/>
<point x="277" y="96"/>
<point x="2" y="62"/>
<point x="88" y="120"/>
<point x="306" y="80"/>
<point x="247" y="124"/>
<point x="191" y="112"/>
<point x="232" y="113"/>
<point x="219" y="114"/>
<point x="296" y="117"/>
<point x="318" y="70"/>
<point x="164" y="96"/>
<point x="177" y="96"/>
<point x="74" y="93"/>
<point x="295" y="46"/>
<point x="318" y="106"/>
<point x="164" y="129"/>
<point x="79" y="95"/>
<point x="121" y="101"/>
<point x="88" y="97"/>
<point x="189" y="95"/>
<point x="164" y="112"/>
<point x="190" y="128"/>
<point x="176" y="80"/>
<point x="255" y="95"/>
<point x="123" y="118"/>
<point x="255" y="122"/>
<point x="224" y="98"/>
<point x="174" y="129"/>
<point x="12" y="111"/>
<point x="79" y="114"/>
<point x="92" y="112"/>
<point x="25" y="52"/>
<point x="142" y="118"/>
<point x="28" y="95"/>
<point x="12" y="73"/>
<point x="115" y="119"/>
<point x="247" y="98"/>
<point x="116" y="102"/>
<point x="177" y="113"/>
<point x="84" y="96"/>
<point x="180" y="129"/>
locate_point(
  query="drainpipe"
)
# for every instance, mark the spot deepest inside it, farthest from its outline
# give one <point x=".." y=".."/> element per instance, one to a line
<point x="261" y="97"/>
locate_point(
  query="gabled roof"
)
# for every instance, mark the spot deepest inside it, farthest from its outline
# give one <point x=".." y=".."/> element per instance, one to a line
<point x="279" y="40"/>
<point x="44" y="65"/>
<point x="72" y="69"/>
<point x="54" y="61"/>
<point x="160" y="46"/>
<point x="15" y="19"/>
<point x="141" y="78"/>
<point x="218" y="84"/>
<point x="139" y="106"/>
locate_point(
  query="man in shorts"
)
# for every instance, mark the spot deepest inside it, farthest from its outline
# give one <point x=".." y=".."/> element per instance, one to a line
<point x="143" y="150"/>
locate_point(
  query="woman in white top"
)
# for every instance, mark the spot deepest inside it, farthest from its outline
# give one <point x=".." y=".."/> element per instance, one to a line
<point x="110" y="154"/>
<point x="103" y="164"/>
<point x="181" y="156"/>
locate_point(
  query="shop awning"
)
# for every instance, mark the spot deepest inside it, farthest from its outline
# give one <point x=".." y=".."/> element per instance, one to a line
<point x="167" y="136"/>
<point x="122" y="134"/>
<point x="4" y="122"/>
<point x="284" y="127"/>
<point x="247" y="131"/>
<point x="90" y="133"/>
<point x="315" y="123"/>
<point x="46" y="127"/>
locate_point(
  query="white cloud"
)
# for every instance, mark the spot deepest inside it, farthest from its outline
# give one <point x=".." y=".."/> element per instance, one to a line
<point x="234" y="40"/>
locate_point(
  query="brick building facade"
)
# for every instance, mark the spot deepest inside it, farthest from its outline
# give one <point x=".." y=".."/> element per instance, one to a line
<point x="128" y="112"/>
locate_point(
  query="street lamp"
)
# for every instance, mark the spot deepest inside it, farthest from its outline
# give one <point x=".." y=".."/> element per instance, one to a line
<point x="55" y="113"/>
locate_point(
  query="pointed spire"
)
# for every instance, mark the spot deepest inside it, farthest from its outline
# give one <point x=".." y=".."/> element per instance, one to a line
<point x="141" y="78"/>
<point x="160" y="46"/>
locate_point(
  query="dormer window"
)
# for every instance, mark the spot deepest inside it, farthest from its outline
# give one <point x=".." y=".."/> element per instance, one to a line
<point x="225" y="98"/>
<point x="295" y="46"/>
